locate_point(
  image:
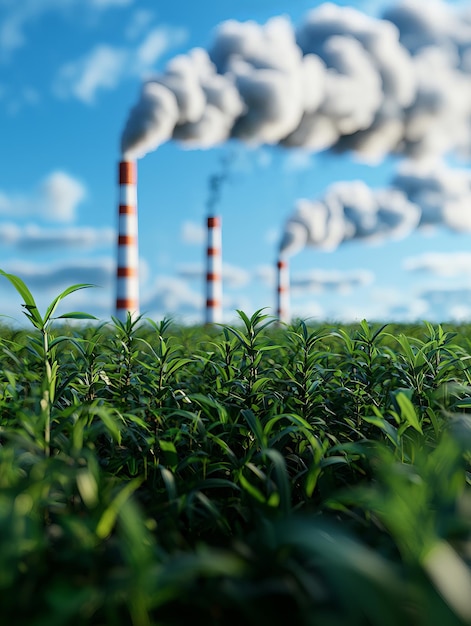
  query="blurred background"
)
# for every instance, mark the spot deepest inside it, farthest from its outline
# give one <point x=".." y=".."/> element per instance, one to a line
<point x="338" y="134"/>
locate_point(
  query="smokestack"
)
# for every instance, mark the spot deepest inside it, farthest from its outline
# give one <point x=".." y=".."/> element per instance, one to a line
<point x="127" y="283"/>
<point x="214" y="271"/>
<point x="282" y="309"/>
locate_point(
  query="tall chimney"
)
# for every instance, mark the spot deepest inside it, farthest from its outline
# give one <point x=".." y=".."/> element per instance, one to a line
<point x="282" y="305"/>
<point x="127" y="284"/>
<point x="214" y="271"/>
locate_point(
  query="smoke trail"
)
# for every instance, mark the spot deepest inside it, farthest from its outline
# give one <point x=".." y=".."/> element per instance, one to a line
<point x="420" y="196"/>
<point x="339" y="80"/>
<point x="216" y="181"/>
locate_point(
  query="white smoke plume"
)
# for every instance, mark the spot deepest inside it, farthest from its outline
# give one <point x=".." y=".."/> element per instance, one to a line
<point x="421" y="195"/>
<point x="339" y="80"/>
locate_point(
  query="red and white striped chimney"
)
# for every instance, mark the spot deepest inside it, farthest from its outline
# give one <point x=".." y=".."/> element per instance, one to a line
<point x="127" y="287"/>
<point x="282" y="284"/>
<point x="214" y="271"/>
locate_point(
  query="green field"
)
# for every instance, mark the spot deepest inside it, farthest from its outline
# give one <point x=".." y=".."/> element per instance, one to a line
<point x="153" y="474"/>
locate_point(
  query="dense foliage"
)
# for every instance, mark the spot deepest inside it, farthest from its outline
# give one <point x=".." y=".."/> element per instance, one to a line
<point x="152" y="474"/>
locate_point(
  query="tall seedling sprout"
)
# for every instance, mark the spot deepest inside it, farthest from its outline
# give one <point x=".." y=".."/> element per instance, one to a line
<point x="48" y="344"/>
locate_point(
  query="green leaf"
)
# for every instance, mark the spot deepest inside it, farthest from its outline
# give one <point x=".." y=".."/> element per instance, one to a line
<point x="52" y="307"/>
<point x="169" y="482"/>
<point x="408" y="411"/>
<point x="255" y="426"/>
<point x="109" y="516"/>
<point x="29" y="302"/>
<point x="170" y="453"/>
<point x="251" y="489"/>
<point x="109" y="420"/>
<point x="282" y="478"/>
<point x="77" y="315"/>
<point x="312" y="477"/>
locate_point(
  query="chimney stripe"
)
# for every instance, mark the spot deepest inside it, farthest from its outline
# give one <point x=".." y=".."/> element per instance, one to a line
<point x="214" y="222"/>
<point x="213" y="276"/>
<point x="214" y="270"/>
<point x="127" y="272"/>
<point x="126" y="304"/>
<point x="214" y="252"/>
<point x="127" y="173"/>
<point x="127" y="240"/>
<point x="213" y="303"/>
<point x="127" y="209"/>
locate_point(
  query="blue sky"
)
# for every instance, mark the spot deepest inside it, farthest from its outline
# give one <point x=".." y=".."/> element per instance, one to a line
<point x="70" y="72"/>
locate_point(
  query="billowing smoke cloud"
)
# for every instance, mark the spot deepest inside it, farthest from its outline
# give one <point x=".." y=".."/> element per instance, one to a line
<point x="340" y="80"/>
<point x="442" y="193"/>
<point x="349" y="211"/>
<point x="420" y="196"/>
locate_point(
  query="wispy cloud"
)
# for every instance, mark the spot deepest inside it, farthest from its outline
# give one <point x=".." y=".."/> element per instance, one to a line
<point x="19" y="14"/>
<point x="154" y="45"/>
<point x="308" y="310"/>
<point x="55" y="199"/>
<point x="54" y="276"/>
<point x="105" y="66"/>
<point x="33" y="238"/>
<point x="447" y="304"/>
<point x="170" y="295"/>
<point x="298" y="160"/>
<point x="330" y="280"/>
<point x="317" y="281"/>
<point x="440" y="263"/>
<point x="104" y="4"/>
<point x="102" y="68"/>
<point x="232" y="275"/>
<point x="193" y="233"/>
<point x="16" y="16"/>
<point x="138" y="24"/>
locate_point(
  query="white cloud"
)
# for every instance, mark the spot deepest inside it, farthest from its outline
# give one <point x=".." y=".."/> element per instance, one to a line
<point x="54" y="276"/>
<point x="308" y="310"/>
<point x="447" y="304"/>
<point x="18" y="14"/>
<point x="105" y="66"/>
<point x="390" y="304"/>
<point x="102" y="68"/>
<point x="440" y="263"/>
<point x="33" y="238"/>
<point x="273" y="236"/>
<point x="56" y="199"/>
<point x="266" y="274"/>
<point x="298" y="160"/>
<point x="138" y="23"/>
<point x="16" y="17"/>
<point x="233" y="276"/>
<point x="104" y="4"/>
<point x="170" y="295"/>
<point x="47" y="281"/>
<point x="193" y="233"/>
<point x="155" y="44"/>
<point x="318" y="281"/>
<point x="60" y="196"/>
